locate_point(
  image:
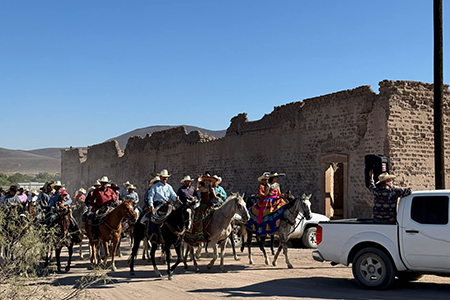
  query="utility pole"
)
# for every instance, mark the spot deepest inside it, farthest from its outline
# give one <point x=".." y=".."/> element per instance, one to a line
<point x="439" y="163"/>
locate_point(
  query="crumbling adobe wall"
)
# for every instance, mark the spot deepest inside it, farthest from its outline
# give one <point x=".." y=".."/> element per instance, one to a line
<point x="297" y="138"/>
<point x="411" y="132"/>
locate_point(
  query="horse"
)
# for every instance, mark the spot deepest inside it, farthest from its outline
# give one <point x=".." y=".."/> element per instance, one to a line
<point x="221" y="228"/>
<point x="171" y="233"/>
<point x="69" y="233"/>
<point x="110" y="230"/>
<point x="78" y="210"/>
<point x="287" y="226"/>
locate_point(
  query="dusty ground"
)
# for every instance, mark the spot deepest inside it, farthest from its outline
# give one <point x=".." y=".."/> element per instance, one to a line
<point x="308" y="280"/>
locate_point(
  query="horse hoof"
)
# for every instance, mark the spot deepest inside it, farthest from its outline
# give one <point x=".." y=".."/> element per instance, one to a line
<point x="132" y="273"/>
<point x="224" y="270"/>
<point x="170" y="277"/>
<point x="236" y="258"/>
<point x="197" y="270"/>
<point x="267" y="262"/>
<point x="251" y="262"/>
<point x="274" y="264"/>
<point x="290" y="266"/>
<point x="113" y="268"/>
<point x="67" y="268"/>
<point x="209" y="266"/>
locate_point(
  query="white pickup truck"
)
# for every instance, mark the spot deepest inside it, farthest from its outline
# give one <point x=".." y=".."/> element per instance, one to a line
<point x="418" y="243"/>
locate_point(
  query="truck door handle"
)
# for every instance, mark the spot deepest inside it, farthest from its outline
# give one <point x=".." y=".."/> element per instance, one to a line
<point x="412" y="231"/>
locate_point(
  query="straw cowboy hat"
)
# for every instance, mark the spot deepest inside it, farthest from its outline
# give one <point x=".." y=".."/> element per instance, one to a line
<point x="164" y="173"/>
<point x="219" y="179"/>
<point x="104" y="179"/>
<point x="35" y="192"/>
<point x="82" y="190"/>
<point x="275" y="174"/>
<point x="186" y="178"/>
<point x="127" y="183"/>
<point x="385" y="176"/>
<point x="57" y="183"/>
<point x="265" y="175"/>
<point x="207" y="176"/>
<point x="152" y="182"/>
<point x="97" y="182"/>
<point x="131" y="187"/>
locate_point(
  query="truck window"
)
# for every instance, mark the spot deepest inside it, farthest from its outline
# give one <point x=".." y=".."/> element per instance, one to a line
<point x="430" y="210"/>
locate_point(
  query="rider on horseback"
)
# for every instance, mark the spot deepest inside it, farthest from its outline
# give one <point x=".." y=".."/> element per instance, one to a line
<point x="57" y="187"/>
<point x="101" y="197"/>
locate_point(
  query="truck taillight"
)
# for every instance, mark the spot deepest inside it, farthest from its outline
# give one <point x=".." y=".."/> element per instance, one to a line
<point x="319" y="234"/>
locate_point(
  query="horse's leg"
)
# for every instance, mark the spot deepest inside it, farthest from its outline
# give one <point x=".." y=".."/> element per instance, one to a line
<point x="206" y="250"/>
<point x="249" y="246"/>
<point x="198" y="253"/>
<point x="211" y="263"/>
<point x="222" y="252"/>
<point x="69" y="261"/>
<point x="119" y="253"/>
<point x="274" y="263"/>
<point x="152" y="255"/>
<point x="116" y="244"/>
<point x="167" y="251"/>
<point x="186" y="254"/>
<point x="179" y="257"/>
<point x="233" y="247"/>
<point x="58" y="258"/>
<point x="261" y="240"/>
<point x="283" y="244"/>
<point x="272" y="239"/>
<point x="194" y="259"/>
<point x="106" y="250"/>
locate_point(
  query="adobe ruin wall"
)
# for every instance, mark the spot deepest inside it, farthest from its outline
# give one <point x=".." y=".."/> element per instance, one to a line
<point x="300" y="139"/>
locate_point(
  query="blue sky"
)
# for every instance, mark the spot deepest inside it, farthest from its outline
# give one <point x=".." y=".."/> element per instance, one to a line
<point x="80" y="72"/>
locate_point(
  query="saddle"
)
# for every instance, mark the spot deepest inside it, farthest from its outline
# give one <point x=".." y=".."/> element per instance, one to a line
<point x="201" y="230"/>
<point x="100" y="215"/>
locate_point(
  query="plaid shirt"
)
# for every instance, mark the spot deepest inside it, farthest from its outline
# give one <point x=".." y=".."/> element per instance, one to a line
<point x="385" y="204"/>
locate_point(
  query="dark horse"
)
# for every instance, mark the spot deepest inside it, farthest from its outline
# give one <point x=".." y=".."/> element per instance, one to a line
<point x="170" y="233"/>
<point x="68" y="232"/>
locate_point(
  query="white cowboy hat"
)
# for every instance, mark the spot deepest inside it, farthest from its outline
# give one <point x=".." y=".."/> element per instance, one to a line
<point x="219" y="179"/>
<point x="35" y="192"/>
<point x="129" y="187"/>
<point x="127" y="183"/>
<point x="384" y="177"/>
<point x="152" y="182"/>
<point x="164" y="173"/>
<point x="275" y="174"/>
<point x="186" y="178"/>
<point x="97" y="182"/>
<point x="104" y="179"/>
<point x="57" y="183"/>
<point x="91" y="188"/>
<point x="265" y="175"/>
<point x="82" y="190"/>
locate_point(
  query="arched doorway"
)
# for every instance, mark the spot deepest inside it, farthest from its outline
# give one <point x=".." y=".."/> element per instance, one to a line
<point x="334" y="185"/>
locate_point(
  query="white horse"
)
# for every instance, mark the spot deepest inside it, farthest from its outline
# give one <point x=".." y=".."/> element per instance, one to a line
<point x="221" y="228"/>
<point x="287" y="227"/>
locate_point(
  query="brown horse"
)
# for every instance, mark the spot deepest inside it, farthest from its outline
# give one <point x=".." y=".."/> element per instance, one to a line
<point x="110" y="231"/>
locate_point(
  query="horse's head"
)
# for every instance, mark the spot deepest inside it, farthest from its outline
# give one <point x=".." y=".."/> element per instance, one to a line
<point x="306" y="206"/>
<point x="128" y="207"/>
<point x="241" y="207"/>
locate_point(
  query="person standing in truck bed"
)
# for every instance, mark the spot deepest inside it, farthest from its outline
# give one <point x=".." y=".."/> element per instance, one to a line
<point x="386" y="196"/>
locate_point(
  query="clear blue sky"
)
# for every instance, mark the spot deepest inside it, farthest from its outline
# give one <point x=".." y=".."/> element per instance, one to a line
<point x="80" y="72"/>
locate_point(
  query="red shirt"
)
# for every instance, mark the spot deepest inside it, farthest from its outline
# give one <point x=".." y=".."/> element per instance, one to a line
<point x="100" y="197"/>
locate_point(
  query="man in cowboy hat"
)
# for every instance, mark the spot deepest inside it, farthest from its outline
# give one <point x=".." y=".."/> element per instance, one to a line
<point x="386" y="196"/>
<point x="187" y="191"/>
<point x="124" y="189"/>
<point x="57" y="187"/>
<point x="87" y="201"/>
<point x="101" y="196"/>
<point x="220" y="192"/>
<point x="131" y="194"/>
<point x="80" y="197"/>
<point x="161" y="192"/>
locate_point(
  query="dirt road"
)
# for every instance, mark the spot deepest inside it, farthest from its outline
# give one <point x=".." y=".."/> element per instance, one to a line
<point x="308" y="280"/>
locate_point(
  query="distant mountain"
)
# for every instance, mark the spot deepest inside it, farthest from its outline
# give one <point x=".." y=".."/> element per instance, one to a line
<point x="49" y="159"/>
<point x="18" y="161"/>
<point x="122" y="139"/>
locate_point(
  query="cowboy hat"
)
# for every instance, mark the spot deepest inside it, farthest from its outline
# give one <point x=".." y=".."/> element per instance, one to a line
<point x="104" y="179"/>
<point x="57" y="183"/>
<point x="154" y="180"/>
<point x="129" y="187"/>
<point x="385" y="176"/>
<point x="275" y="174"/>
<point x="207" y="176"/>
<point x="35" y="192"/>
<point x="82" y="190"/>
<point x="127" y="183"/>
<point x="219" y="179"/>
<point x="265" y="175"/>
<point x="186" y="178"/>
<point x="164" y="173"/>
<point x="97" y="182"/>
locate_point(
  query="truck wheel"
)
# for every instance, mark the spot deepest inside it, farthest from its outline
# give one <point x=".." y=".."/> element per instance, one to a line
<point x="309" y="238"/>
<point x="373" y="269"/>
<point x="408" y="276"/>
